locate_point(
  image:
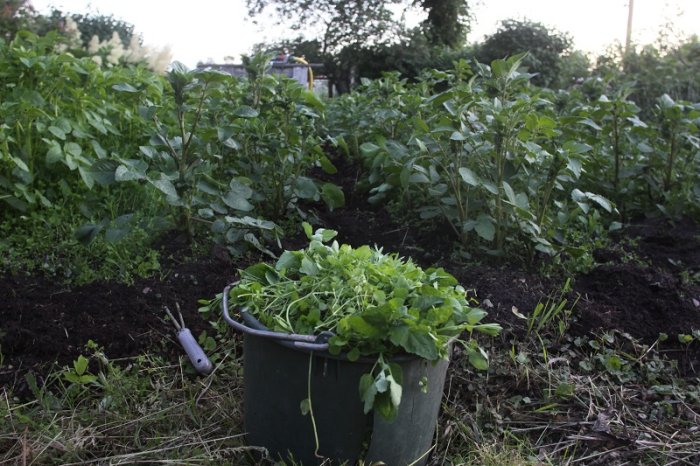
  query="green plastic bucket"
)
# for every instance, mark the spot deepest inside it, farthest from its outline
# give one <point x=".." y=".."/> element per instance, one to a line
<point x="280" y="371"/>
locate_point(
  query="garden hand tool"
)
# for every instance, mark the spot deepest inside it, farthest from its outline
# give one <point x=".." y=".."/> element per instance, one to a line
<point x="198" y="358"/>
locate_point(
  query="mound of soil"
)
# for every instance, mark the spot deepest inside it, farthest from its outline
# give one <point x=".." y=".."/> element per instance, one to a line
<point x="645" y="285"/>
<point x="642" y="301"/>
<point x="44" y="322"/>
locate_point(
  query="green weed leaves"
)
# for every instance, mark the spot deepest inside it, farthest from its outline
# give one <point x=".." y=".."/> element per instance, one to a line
<point x="382" y="391"/>
<point x="376" y="305"/>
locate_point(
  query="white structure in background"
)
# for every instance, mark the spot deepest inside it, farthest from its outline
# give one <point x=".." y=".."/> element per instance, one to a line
<point x="297" y="71"/>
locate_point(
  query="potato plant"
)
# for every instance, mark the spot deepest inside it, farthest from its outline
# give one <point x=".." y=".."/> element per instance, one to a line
<point x="63" y="121"/>
<point x="513" y="169"/>
<point x="644" y="166"/>
<point x="235" y="166"/>
<point x="485" y="156"/>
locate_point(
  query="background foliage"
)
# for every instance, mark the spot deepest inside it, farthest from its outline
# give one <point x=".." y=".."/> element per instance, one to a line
<point x="546" y="47"/>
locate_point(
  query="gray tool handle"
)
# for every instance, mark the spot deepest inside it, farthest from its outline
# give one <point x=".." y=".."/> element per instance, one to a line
<point x="198" y="358"/>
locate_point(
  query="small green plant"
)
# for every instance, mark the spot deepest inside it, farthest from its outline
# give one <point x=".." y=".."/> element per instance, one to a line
<point x="376" y="305"/>
<point x="79" y="374"/>
<point x="553" y="315"/>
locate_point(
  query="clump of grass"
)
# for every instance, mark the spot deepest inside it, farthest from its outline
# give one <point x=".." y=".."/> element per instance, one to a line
<point x="148" y="411"/>
<point x="45" y="244"/>
<point x="605" y="399"/>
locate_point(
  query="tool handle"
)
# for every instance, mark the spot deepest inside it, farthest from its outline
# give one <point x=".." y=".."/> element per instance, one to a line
<point x="198" y="358"/>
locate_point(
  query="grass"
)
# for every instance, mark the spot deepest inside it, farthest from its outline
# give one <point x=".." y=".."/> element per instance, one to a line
<point x="613" y="402"/>
<point x="606" y="399"/>
<point x="44" y="242"/>
<point x="147" y="411"/>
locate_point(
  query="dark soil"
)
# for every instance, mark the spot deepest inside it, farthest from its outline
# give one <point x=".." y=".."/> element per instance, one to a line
<point x="45" y="323"/>
<point x="645" y="284"/>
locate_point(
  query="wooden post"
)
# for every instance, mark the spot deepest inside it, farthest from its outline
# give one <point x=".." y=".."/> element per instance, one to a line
<point x="628" y="40"/>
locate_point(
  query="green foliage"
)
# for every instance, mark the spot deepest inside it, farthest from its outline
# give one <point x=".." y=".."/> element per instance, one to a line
<point x="410" y="56"/>
<point x="364" y="39"/>
<point x="545" y="48"/>
<point x="517" y="170"/>
<point x="16" y="15"/>
<point x="641" y="165"/>
<point x="344" y="23"/>
<point x="279" y="148"/>
<point x="221" y="152"/>
<point x="553" y="316"/>
<point x="233" y="155"/>
<point x="64" y="130"/>
<point x="383" y="391"/>
<point x="573" y="68"/>
<point x="78" y="373"/>
<point x="44" y="243"/>
<point x="62" y="124"/>
<point x="95" y="24"/>
<point x="375" y="305"/>
<point x="447" y="22"/>
<point x="655" y="70"/>
<point x="177" y="165"/>
<point x="487" y="155"/>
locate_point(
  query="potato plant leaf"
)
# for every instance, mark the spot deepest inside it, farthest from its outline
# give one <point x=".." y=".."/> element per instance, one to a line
<point x="237" y="202"/>
<point x="333" y="196"/>
<point x="485" y="228"/>
<point x="124" y="87"/>
<point x="165" y="186"/>
<point x="468" y="176"/>
<point x="305" y="188"/>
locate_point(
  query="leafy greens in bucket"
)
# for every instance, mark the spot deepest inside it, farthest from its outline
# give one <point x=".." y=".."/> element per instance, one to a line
<point x="377" y="305"/>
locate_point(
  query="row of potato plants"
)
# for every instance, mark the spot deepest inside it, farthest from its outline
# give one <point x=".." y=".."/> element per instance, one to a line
<point x="515" y="169"/>
<point x="62" y="124"/>
<point x="229" y="154"/>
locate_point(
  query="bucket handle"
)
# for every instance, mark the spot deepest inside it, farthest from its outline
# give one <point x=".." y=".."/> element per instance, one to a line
<point x="307" y="342"/>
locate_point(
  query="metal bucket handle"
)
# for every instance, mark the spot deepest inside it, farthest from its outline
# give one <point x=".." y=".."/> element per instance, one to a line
<point x="307" y="342"/>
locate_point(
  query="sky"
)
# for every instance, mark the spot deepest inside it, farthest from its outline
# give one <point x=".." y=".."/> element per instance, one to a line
<point x="209" y="30"/>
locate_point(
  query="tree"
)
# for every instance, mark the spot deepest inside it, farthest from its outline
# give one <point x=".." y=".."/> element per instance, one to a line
<point x="345" y="34"/>
<point x="447" y="22"/>
<point x="93" y="24"/>
<point x="341" y="28"/>
<point x="654" y="70"/>
<point x="573" y="68"/>
<point x="338" y="23"/>
<point x="546" y="48"/>
<point x="15" y="15"/>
